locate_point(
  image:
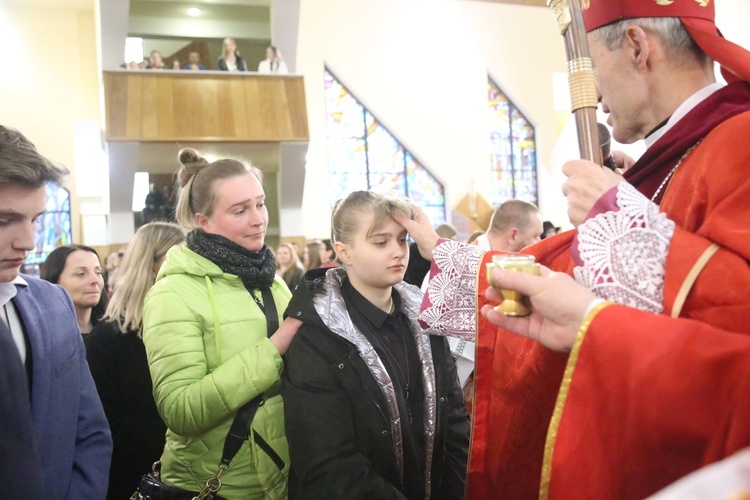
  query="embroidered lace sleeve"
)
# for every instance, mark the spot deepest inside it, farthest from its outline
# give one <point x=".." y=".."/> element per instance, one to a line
<point x="621" y="253"/>
<point x="449" y="306"/>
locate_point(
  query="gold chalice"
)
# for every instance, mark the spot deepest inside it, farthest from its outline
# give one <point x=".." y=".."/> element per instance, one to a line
<point x="514" y="303"/>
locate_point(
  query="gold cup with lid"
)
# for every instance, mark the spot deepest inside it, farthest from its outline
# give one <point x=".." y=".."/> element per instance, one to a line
<point x="514" y="303"/>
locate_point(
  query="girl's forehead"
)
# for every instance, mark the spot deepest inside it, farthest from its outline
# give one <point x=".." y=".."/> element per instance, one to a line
<point x="386" y="226"/>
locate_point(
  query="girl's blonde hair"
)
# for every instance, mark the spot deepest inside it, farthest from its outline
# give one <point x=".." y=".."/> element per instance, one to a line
<point x="136" y="273"/>
<point x="197" y="178"/>
<point x="346" y="212"/>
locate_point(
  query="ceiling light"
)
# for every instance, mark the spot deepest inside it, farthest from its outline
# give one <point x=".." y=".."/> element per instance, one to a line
<point x="194" y="11"/>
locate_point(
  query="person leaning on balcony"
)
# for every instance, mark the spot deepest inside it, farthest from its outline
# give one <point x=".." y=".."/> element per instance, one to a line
<point x="194" y="62"/>
<point x="273" y="63"/>
<point x="212" y="336"/>
<point x="155" y="61"/>
<point x="230" y="59"/>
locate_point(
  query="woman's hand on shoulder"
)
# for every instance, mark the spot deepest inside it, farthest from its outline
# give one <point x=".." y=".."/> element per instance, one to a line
<point x="283" y="337"/>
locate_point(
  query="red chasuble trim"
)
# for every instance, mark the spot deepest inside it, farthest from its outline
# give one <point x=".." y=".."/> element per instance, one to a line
<point x="562" y="396"/>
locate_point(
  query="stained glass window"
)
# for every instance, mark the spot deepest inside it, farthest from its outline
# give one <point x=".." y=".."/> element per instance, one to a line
<point x="364" y="155"/>
<point x="53" y="229"/>
<point x="513" y="149"/>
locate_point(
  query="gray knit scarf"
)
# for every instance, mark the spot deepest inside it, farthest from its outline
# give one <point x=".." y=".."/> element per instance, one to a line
<point x="256" y="269"/>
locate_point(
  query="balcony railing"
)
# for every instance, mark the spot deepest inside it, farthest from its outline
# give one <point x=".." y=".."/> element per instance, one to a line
<point x="200" y="106"/>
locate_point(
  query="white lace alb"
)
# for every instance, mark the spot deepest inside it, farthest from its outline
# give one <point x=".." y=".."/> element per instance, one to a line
<point x="624" y="253"/>
<point x="452" y="292"/>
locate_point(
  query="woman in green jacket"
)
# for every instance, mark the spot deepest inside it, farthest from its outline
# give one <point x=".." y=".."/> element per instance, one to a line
<point x="206" y="334"/>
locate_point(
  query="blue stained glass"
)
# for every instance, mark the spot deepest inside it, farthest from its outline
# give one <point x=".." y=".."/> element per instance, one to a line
<point x="513" y="150"/>
<point x="427" y="189"/>
<point x="54" y="228"/>
<point x="388" y="184"/>
<point x="345" y="182"/>
<point x="384" y="153"/>
<point x="436" y="214"/>
<point x="346" y="155"/>
<point x="363" y="154"/>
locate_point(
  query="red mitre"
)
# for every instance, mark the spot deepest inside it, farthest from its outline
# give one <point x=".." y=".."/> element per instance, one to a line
<point x="697" y="16"/>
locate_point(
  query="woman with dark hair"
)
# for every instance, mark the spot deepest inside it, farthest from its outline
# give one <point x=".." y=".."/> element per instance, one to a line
<point x="78" y="270"/>
<point x="273" y="63"/>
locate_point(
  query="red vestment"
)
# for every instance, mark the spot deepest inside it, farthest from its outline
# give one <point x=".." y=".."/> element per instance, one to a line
<point x="646" y="398"/>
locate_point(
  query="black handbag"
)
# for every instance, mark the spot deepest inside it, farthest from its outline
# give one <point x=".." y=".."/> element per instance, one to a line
<point x="152" y="487"/>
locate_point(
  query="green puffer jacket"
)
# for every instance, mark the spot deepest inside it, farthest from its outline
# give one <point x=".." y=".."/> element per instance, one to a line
<point x="209" y="354"/>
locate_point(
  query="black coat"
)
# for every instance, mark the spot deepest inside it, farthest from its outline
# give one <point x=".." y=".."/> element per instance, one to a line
<point x="240" y="62"/>
<point x="119" y="367"/>
<point x="337" y="423"/>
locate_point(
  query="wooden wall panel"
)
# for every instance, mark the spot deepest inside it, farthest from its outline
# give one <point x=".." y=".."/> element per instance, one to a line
<point x="133" y="108"/>
<point x="204" y="106"/>
<point x="150" y="111"/>
<point x="166" y="108"/>
<point x="235" y="105"/>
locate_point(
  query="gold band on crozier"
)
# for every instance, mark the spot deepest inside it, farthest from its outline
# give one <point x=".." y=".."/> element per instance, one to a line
<point x="582" y="84"/>
<point x="562" y="396"/>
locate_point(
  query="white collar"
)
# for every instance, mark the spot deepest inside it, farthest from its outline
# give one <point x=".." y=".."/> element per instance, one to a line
<point x="682" y="110"/>
<point x="8" y="290"/>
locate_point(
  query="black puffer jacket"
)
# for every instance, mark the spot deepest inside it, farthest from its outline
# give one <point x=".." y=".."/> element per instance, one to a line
<point x="338" y="423"/>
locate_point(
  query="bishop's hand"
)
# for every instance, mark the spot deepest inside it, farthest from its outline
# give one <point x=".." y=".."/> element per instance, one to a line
<point x="587" y="182"/>
<point x="420" y="229"/>
<point x="558" y="304"/>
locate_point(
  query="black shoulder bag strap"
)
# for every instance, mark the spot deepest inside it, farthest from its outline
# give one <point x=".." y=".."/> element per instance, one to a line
<point x="239" y="431"/>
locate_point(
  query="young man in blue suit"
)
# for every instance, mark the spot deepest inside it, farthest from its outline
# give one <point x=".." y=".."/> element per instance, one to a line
<point x="69" y="431"/>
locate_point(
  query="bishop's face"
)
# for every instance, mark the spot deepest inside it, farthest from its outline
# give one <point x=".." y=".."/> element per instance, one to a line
<point x="622" y="90"/>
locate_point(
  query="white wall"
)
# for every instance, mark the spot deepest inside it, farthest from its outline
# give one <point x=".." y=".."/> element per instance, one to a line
<point x="49" y="84"/>
<point x="732" y="18"/>
<point x="421" y="67"/>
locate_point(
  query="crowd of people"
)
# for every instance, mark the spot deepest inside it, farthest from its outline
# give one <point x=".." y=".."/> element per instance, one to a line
<point x="229" y="60"/>
<point x="265" y="375"/>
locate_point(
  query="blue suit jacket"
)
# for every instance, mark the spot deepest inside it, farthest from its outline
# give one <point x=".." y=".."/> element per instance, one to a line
<point x="70" y="430"/>
<point x="19" y="470"/>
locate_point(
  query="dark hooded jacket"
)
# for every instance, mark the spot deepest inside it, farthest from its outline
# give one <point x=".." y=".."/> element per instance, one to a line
<point x="343" y="415"/>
